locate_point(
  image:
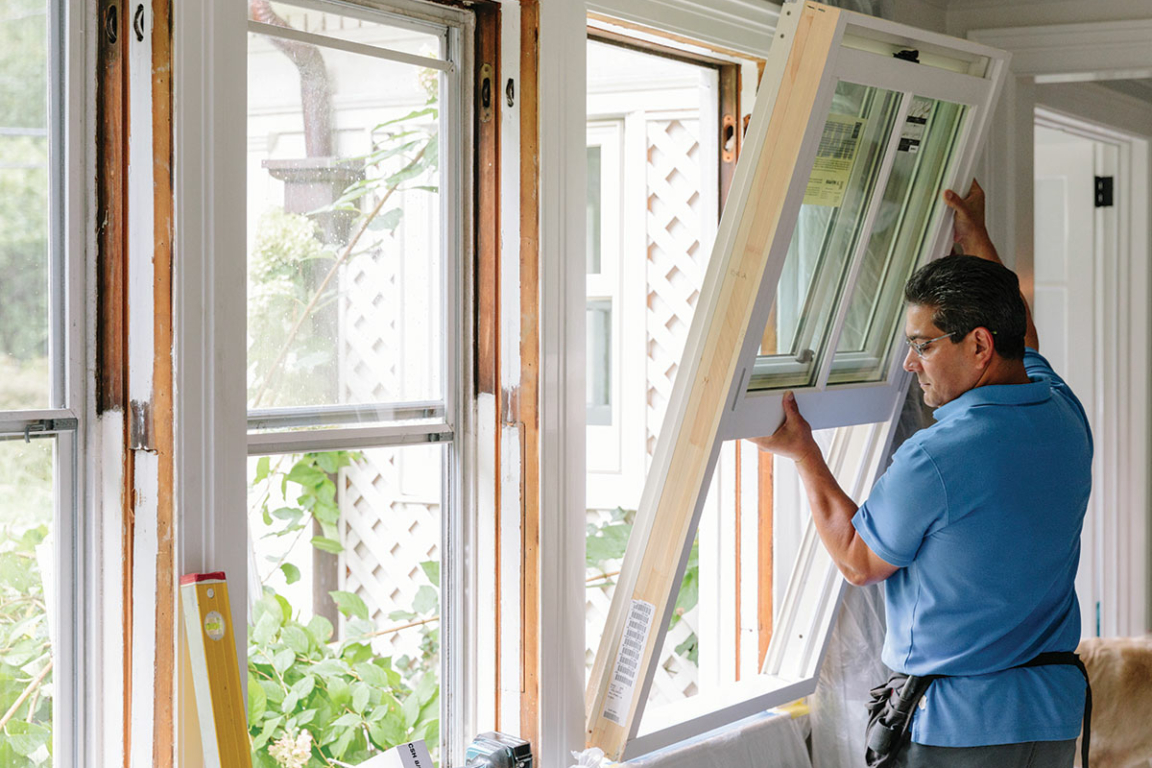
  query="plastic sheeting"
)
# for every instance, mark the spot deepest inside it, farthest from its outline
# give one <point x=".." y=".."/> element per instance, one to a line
<point x="852" y="664"/>
<point x="768" y="740"/>
<point x="851" y="668"/>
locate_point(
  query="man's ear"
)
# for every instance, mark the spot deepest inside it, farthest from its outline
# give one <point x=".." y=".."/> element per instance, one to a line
<point x="985" y="347"/>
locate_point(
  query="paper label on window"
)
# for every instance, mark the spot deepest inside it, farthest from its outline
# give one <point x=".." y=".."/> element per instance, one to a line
<point x="839" y="145"/>
<point x="913" y="132"/>
<point x="627" y="669"/>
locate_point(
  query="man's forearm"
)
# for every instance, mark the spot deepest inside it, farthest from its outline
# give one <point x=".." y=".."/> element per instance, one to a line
<point x="832" y="511"/>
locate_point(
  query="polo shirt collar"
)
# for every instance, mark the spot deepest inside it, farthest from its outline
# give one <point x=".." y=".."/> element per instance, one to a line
<point x="1037" y="391"/>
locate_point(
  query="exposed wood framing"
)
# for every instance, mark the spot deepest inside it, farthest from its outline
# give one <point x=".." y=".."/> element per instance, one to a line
<point x="488" y="98"/>
<point x="526" y="401"/>
<point x="648" y="46"/>
<point x="162" y="414"/>
<point x="111" y="206"/>
<point x="681" y="39"/>
<point x="731" y="136"/>
<point x="764" y="559"/>
<point x="676" y="479"/>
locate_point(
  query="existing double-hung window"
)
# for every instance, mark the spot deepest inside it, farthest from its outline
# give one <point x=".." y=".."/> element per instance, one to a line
<point x="42" y="620"/>
<point x="858" y="127"/>
<point x="356" y="214"/>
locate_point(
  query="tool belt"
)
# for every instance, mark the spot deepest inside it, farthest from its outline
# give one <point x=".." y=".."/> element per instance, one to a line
<point x="892" y="705"/>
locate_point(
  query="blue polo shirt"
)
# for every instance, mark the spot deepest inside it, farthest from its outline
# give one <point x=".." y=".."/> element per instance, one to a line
<point x="982" y="513"/>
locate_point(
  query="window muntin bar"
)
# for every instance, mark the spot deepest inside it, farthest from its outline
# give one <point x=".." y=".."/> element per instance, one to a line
<point x="336" y="415"/>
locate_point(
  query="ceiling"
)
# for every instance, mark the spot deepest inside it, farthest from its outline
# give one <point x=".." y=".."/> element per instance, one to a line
<point x="1141" y="89"/>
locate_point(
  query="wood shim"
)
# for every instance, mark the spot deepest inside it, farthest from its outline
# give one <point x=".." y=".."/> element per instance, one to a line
<point x="687" y="451"/>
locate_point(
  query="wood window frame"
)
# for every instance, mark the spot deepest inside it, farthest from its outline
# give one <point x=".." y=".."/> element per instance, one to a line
<point x="709" y="402"/>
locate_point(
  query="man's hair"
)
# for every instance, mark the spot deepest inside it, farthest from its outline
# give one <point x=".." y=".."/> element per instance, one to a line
<point x="966" y="292"/>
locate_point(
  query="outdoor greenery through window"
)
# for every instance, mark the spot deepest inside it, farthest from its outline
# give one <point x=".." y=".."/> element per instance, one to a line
<point x="28" y="465"/>
<point x="24" y="203"/>
<point x="350" y="249"/>
<point x="26" y="627"/>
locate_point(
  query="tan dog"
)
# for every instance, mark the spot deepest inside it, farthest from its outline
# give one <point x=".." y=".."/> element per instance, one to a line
<point x="1120" y="669"/>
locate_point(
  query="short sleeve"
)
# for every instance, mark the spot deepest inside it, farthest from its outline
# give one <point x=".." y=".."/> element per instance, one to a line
<point x="1038" y="367"/>
<point x="906" y="504"/>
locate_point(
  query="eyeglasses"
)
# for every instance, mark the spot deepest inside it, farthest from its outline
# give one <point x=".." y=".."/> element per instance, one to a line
<point x="920" y="346"/>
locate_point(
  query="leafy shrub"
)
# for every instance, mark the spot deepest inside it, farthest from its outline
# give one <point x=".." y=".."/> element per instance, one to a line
<point x="25" y="652"/>
<point x="313" y="699"/>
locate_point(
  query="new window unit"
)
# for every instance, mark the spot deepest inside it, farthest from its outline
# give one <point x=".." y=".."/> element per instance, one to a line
<point x="858" y="127"/>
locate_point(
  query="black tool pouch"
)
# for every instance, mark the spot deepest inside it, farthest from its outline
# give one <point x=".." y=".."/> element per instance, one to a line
<point x="892" y="704"/>
<point x="889" y="716"/>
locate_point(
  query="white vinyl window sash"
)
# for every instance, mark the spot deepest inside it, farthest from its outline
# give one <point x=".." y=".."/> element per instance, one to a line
<point x="936" y="88"/>
<point x="357" y="426"/>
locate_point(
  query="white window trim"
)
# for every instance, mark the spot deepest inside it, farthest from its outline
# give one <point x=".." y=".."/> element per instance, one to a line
<point x="210" y="44"/>
<point x="1045" y="56"/>
<point x="760" y="413"/>
<point x="76" y="606"/>
<point x="562" y="135"/>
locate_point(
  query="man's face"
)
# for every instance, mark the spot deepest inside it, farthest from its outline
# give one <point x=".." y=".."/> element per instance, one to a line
<point x="947" y="370"/>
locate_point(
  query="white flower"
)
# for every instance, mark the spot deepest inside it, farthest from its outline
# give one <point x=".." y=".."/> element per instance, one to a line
<point x="292" y="753"/>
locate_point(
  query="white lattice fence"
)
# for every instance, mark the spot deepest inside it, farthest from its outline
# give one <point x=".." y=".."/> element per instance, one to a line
<point x="674" y="273"/>
<point x="370" y="338"/>
<point x="676" y="260"/>
<point x="390" y="523"/>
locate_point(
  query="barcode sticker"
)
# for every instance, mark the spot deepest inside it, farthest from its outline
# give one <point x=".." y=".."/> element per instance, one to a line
<point x="913" y="132"/>
<point x="625" y="674"/>
<point x="839" y="145"/>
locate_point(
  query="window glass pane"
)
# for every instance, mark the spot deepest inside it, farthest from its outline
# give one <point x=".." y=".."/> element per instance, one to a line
<point x="654" y="166"/>
<point x="24" y="209"/>
<point x="26" y="589"/>
<point x="830" y="224"/>
<point x="345" y="256"/>
<point x="898" y="241"/>
<point x="599" y="364"/>
<point x="593" y="225"/>
<point x="344" y="641"/>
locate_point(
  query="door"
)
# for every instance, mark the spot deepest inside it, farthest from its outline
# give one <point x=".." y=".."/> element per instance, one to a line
<point x="1065" y="305"/>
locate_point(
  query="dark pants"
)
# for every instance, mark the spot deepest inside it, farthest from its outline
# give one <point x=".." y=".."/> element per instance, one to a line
<point x="1032" y="754"/>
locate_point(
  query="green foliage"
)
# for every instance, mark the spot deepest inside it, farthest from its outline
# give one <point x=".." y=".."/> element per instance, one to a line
<point x="25" y="651"/>
<point x="24" y="204"/>
<point x="605" y="545"/>
<point x="353" y="703"/>
<point x="309" y="693"/>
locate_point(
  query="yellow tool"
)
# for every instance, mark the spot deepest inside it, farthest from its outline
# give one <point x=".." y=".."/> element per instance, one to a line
<point x="215" y="671"/>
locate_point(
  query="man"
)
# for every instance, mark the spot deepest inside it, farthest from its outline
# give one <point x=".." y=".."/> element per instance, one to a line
<point x="975" y="526"/>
